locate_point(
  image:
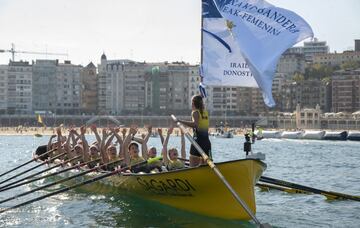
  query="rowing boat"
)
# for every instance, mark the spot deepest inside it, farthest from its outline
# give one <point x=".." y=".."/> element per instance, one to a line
<point x="196" y="189"/>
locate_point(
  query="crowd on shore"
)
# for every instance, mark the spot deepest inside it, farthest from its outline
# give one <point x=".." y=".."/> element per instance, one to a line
<point x="46" y="131"/>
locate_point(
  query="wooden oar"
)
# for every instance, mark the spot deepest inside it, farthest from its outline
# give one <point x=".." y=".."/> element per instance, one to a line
<point x="5" y="187"/>
<point x="51" y="174"/>
<point x="57" y="182"/>
<point x="267" y="187"/>
<point x="116" y="171"/>
<point x="327" y="194"/>
<point x="219" y="174"/>
<point x="28" y="162"/>
<point x="28" y="170"/>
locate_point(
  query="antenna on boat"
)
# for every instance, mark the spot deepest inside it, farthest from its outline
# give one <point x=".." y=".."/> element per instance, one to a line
<point x="253" y="136"/>
<point x="247" y="144"/>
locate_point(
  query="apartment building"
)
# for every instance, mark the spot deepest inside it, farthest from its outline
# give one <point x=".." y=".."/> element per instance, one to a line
<point x="308" y="118"/>
<point x="132" y="74"/>
<point x="291" y="63"/>
<point x="224" y="99"/>
<point x="68" y="93"/>
<point x="89" y="84"/>
<point x="336" y="59"/>
<point x="307" y="93"/>
<point x="19" y="88"/>
<point x="110" y="86"/>
<point x="45" y="85"/>
<point x="346" y="91"/>
<point x="194" y="80"/>
<point x="121" y="86"/>
<point x="3" y="88"/>
<point x="313" y="48"/>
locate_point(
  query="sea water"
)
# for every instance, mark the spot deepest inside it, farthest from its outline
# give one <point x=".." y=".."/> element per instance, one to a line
<point x="327" y="165"/>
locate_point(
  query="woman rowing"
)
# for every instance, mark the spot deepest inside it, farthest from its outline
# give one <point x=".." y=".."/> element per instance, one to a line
<point x="131" y="153"/>
<point x="94" y="155"/>
<point x="171" y="156"/>
<point x="153" y="162"/>
<point x="200" y="124"/>
<point x="108" y="150"/>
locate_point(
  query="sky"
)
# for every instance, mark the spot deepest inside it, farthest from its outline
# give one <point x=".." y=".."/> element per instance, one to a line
<point x="143" y="30"/>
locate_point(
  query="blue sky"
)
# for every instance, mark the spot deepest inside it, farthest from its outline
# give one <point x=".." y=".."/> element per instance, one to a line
<point x="144" y="30"/>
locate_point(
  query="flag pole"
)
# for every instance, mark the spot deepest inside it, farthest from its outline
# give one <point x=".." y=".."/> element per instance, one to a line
<point x="201" y="37"/>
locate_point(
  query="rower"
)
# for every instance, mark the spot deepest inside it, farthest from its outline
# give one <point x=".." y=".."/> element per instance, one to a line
<point x="154" y="162"/>
<point x="171" y="156"/>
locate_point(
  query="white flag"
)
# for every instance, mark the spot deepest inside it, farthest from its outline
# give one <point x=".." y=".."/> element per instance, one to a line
<point x="222" y="62"/>
<point x="263" y="32"/>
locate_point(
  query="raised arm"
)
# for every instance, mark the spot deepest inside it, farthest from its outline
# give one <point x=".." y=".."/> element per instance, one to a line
<point x="104" y="156"/>
<point x="85" y="143"/>
<point x="118" y="137"/>
<point x="143" y="146"/>
<point x="143" y="142"/>
<point x="183" y="152"/>
<point x="109" y="141"/>
<point x="164" y="149"/>
<point x="161" y="135"/>
<point x="120" y="141"/>
<point x="94" y="130"/>
<point x="75" y="137"/>
<point x="123" y="133"/>
<point x="59" y="136"/>
<point x="149" y="131"/>
<point x="127" y="141"/>
<point x="67" y="142"/>
<point x="50" y="142"/>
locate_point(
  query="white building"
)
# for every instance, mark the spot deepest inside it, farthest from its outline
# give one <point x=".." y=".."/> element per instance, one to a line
<point x="308" y="118"/>
<point x="121" y="86"/>
<point x="336" y="59"/>
<point x="45" y="85"/>
<point x="19" y="91"/>
<point x="194" y="81"/>
<point x="68" y="92"/>
<point x="3" y="88"/>
<point x="313" y="48"/>
<point x="224" y="99"/>
<point x="291" y="63"/>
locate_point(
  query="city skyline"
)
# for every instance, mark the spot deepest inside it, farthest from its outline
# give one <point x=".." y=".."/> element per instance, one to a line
<point x="143" y="30"/>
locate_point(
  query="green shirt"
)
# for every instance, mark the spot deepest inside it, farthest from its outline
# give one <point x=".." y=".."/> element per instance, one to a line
<point x="177" y="164"/>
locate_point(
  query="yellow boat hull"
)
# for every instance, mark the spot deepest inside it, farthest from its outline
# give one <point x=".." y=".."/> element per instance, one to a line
<point x="197" y="190"/>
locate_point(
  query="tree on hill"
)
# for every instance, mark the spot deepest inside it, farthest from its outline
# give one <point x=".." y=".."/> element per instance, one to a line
<point x="350" y="65"/>
<point x="318" y="71"/>
<point x="298" y="77"/>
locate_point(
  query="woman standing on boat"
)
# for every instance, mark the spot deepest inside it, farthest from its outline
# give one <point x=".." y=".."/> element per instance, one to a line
<point x="200" y="124"/>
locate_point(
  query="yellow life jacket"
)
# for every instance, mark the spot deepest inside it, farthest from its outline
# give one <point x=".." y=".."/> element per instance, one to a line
<point x="155" y="162"/>
<point x="203" y="127"/>
<point x="177" y="164"/>
<point x="134" y="161"/>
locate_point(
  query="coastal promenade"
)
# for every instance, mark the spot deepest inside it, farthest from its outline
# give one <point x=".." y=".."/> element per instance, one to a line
<point x="237" y="122"/>
<point x="104" y="121"/>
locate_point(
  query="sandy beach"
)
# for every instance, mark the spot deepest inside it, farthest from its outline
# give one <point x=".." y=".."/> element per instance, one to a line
<point x="47" y="131"/>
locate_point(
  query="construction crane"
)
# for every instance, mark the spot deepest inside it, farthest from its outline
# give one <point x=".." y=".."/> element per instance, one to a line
<point x="13" y="51"/>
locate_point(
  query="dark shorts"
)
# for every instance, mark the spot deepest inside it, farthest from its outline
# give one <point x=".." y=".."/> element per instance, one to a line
<point x="204" y="143"/>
